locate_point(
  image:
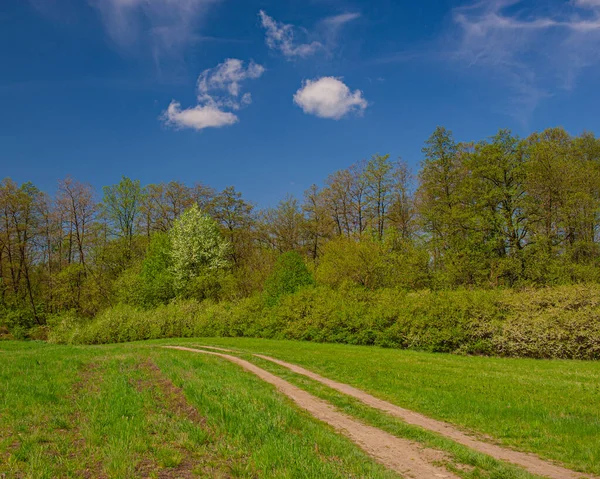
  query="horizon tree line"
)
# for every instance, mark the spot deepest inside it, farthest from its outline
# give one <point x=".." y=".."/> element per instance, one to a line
<point x="501" y="212"/>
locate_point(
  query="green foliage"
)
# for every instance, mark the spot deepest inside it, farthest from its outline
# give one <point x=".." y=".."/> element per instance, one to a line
<point x="121" y="206"/>
<point x="504" y="212"/>
<point x="198" y="253"/>
<point x="349" y="261"/>
<point x="76" y="289"/>
<point x="16" y="319"/>
<point x="561" y="322"/>
<point x="289" y="275"/>
<point x="156" y="275"/>
<point x="406" y="264"/>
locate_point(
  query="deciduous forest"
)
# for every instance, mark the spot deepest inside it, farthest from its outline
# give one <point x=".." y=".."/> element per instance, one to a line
<point x="485" y="237"/>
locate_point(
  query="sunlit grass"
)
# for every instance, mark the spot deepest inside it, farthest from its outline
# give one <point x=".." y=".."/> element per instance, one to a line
<point x="104" y="412"/>
<point x="551" y="408"/>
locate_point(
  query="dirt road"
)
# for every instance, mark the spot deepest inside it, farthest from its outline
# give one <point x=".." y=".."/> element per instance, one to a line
<point x="400" y="455"/>
<point x="530" y="462"/>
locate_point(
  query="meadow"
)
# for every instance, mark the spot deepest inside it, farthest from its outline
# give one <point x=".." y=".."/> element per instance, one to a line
<point x="139" y="410"/>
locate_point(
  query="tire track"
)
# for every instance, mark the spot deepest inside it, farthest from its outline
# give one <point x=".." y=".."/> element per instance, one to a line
<point x="405" y="457"/>
<point x="532" y="463"/>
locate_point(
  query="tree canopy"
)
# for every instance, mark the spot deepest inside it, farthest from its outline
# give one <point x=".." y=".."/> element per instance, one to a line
<point x="501" y="212"/>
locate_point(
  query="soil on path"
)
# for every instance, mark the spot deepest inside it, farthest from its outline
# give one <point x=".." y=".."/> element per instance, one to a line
<point x="400" y="455"/>
<point x="530" y="462"/>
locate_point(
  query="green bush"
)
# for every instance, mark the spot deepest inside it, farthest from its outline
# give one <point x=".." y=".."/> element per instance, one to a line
<point x="16" y="319"/>
<point x="347" y="261"/>
<point x="559" y="322"/>
<point x="155" y="277"/>
<point x="289" y="275"/>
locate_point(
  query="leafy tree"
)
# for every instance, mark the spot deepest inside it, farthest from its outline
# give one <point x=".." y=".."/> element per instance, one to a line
<point x="121" y="206"/>
<point x="78" y="211"/>
<point x="19" y="210"/>
<point x="549" y="172"/>
<point x="157" y="275"/>
<point x="198" y="249"/>
<point x="402" y="214"/>
<point x="338" y="195"/>
<point x="318" y="225"/>
<point x="283" y="226"/>
<point x="235" y="215"/>
<point x="350" y="261"/>
<point x="582" y="201"/>
<point x="443" y="216"/>
<point x="379" y="180"/>
<point x="289" y="275"/>
<point x="496" y="193"/>
<point x="405" y="263"/>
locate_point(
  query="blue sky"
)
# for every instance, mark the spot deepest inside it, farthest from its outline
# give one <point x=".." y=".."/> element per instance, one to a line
<point x="273" y="95"/>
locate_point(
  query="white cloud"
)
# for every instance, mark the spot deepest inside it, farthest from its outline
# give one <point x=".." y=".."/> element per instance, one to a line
<point x="337" y="21"/>
<point x="228" y="76"/>
<point x="198" y="117"/>
<point x="329" y="97"/>
<point x="281" y="36"/>
<point x="166" y="26"/>
<point x="534" y="51"/>
<point x="218" y="90"/>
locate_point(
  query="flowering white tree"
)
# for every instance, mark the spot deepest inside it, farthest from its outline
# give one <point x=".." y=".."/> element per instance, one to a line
<point x="198" y="248"/>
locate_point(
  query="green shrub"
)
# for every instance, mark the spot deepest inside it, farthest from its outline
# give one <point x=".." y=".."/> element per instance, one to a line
<point x="347" y="261"/>
<point x="16" y="319"/>
<point x="289" y="275"/>
<point x="156" y="278"/>
<point x="559" y="322"/>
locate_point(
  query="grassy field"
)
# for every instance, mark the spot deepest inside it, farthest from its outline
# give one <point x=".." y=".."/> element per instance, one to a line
<point x="136" y="410"/>
<point x="132" y="411"/>
<point x="551" y="408"/>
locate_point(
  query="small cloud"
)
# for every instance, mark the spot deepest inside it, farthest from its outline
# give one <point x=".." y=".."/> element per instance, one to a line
<point x="218" y="90"/>
<point x="329" y="97"/>
<point x="227" y="76"/>
<point x="337" y="21"/>
<point x="198" y="117"/>
<point x="329" y="29"/>
<point x="284" y="37"/>
<point x="281" y="37"/>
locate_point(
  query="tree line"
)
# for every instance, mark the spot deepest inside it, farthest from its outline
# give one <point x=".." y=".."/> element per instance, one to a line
<point x="502" y="212"/>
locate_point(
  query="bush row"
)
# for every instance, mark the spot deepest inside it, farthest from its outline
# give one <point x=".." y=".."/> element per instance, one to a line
<point x="559" y="322"/>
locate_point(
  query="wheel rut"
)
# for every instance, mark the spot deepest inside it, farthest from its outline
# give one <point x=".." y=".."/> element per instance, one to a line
<point x="405" y="457"/>
<point x="530" y="462"/>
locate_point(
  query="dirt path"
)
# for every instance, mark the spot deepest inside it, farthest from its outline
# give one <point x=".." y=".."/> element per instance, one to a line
<point x="530" y="462"/>
<point x="214" y="348"/>
<point x="403" y="456"/>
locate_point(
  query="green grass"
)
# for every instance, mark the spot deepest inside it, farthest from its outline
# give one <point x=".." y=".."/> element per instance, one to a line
<point x="65" y="410"/>
<point x="105" y="412"/>
<point x="479" y="465"/>
<point x="551" y="408"/>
